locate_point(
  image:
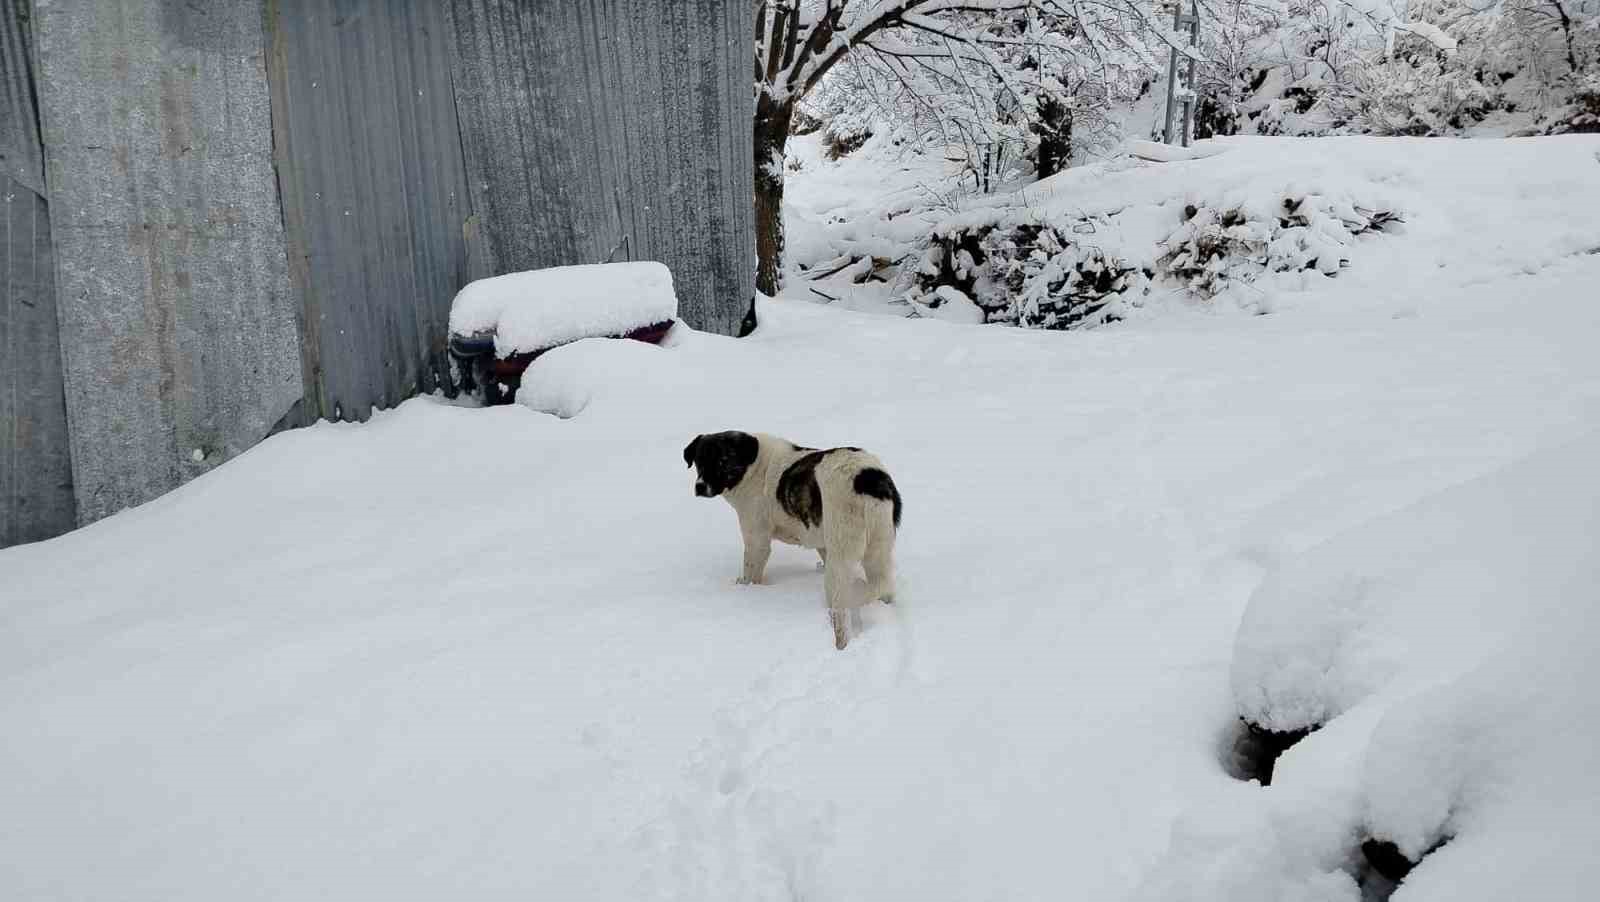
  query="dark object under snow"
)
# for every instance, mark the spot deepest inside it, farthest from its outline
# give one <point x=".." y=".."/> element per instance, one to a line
<point x="495" y="380"/>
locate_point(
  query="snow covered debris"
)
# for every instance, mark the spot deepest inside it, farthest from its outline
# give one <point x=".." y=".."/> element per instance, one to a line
<point x="541" y="308"/>
<point x="365" y="661"/>
<point x="1446" y="651"/>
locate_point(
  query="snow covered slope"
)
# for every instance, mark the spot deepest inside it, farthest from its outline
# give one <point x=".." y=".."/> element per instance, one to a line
<point x="494" y="653"/>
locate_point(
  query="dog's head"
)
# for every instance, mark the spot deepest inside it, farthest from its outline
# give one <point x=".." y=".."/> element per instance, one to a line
<point x="720" y="460"/>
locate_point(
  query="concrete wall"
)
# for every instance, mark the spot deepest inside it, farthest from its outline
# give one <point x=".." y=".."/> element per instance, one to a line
<point x="36" y="499"/>
<point x="178" y="325"/>
<point x="614" y="130"/>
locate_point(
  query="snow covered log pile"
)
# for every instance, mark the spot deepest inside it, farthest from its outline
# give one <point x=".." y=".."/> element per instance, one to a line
<point x="499" y="325"/>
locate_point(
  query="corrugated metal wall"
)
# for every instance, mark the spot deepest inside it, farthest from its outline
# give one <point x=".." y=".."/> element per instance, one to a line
<point x="178" y="324"/>
<point x="35" y="465"/>
<point x="614" y="130"/>
<point x="374" y="192"/>
<point x="260" y="209"/>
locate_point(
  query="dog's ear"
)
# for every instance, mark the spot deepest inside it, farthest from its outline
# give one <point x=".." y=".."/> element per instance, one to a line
<point x="689" y="449"/>
<point x="746" y="448"/>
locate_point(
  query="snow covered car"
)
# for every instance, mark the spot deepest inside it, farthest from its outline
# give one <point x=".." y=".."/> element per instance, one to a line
<point x="501" y="324"/>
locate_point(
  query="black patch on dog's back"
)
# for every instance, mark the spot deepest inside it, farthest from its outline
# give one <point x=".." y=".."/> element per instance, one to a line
<point x="798" y="492"/>
<point x="722" y="458"/>
<point x="874" y="483"/>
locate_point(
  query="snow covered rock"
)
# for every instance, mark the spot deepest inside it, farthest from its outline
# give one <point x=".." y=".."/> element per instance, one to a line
<point x="542" y="308"/>
<point x="950" y="304"/>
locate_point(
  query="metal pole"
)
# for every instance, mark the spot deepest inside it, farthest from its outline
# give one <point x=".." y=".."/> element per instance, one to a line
<point x="1172" y="76"/>
<point x="1188" y="76"/>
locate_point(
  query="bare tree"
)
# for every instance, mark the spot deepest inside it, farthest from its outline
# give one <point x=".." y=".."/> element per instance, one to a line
<point x="798" y="42"/>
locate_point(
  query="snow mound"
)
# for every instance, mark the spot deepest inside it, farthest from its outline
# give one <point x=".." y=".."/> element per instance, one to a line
<point x="1420" y="595"/>
<point x="950" y="304"/>
<point x="1157" y="152"/>
<point x="541" y="308"/>
<point x="567" y="380"/>
<point x="1447" y="652"/>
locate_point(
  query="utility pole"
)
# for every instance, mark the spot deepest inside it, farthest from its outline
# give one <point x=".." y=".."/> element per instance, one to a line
<point x="1179" y="20"/>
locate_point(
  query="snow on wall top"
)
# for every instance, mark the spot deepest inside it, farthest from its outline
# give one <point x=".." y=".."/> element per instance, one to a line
<point x="540" y="308"/>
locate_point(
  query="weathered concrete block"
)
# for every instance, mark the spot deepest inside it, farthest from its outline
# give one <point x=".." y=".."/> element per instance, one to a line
<point x="178" y="324"/>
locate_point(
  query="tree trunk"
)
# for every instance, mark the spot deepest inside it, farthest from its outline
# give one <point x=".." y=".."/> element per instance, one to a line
<point x="771" y="136"/>
<point x="1566" y="29"/>
<point x="1054" y="128"/>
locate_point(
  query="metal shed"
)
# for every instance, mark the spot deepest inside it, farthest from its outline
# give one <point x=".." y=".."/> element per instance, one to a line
<point x="227" y="218"/>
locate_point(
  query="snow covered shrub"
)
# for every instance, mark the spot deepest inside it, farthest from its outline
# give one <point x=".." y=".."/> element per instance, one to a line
<point x="1582" y="112"/>
<point x="841" y="138"/>
<point x="1218" y="248"/>
<point x="806" y="120"/>
<point x="1033" y="275"/>
<point x="1425" y="67"/>
<point x="1418" y="98"/>
<point x="1054" y="282"/>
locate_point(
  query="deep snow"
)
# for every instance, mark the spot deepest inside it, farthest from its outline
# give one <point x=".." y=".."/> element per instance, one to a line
<point x="492" y="653"/>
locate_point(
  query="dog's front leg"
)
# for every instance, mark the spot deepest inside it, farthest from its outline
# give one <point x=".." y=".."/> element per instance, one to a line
<point x="757" y="548"/>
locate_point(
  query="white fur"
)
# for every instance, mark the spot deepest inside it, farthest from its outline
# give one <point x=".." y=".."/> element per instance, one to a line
<point x="856" y="530"/>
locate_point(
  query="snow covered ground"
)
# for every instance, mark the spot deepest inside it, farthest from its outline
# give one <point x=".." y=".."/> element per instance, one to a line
<point x="494" y="653"/>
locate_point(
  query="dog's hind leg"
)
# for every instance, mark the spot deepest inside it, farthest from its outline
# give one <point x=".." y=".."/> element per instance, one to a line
<point x="845" y="547"/>
<point x="879" y="565"/>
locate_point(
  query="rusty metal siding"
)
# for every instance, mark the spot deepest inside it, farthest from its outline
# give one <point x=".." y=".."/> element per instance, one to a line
<point x="374" y="192"/>
<point x="36" y="499"/>
<point x="178" y="324"/>
<point x="610" y="130"/>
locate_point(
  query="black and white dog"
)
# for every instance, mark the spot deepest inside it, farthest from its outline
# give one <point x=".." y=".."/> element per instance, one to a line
<point x="840" y="501"/>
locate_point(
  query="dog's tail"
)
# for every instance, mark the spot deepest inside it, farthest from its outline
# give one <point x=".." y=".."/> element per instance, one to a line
<point x="875" y="483"/>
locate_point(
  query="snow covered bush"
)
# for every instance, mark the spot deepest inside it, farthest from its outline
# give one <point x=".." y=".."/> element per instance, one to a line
<point x="1582" y="111"/>
<point x="1053" y="281"/>
<point x="1427" y="67"/>
<point x="1032" y="275"/>
<point x="1218" y="248"/>
<point x="1421" y="98"/>
<point x="1082" y="270"/>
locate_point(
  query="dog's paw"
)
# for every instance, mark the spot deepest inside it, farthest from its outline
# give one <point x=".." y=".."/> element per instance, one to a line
<point x="745" y="581"/>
